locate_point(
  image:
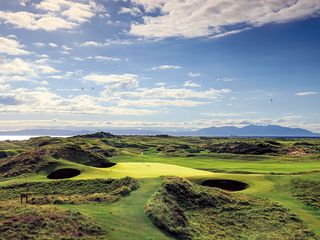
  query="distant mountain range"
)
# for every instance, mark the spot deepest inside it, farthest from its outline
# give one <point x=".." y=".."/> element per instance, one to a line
<point x="256" y="131"/>
<point x="229" y="131"/>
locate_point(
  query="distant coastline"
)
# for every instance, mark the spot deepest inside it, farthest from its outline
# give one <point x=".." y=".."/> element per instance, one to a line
<point x="249" y="131"/>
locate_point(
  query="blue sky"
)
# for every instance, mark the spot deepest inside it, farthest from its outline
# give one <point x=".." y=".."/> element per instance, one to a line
<point x="159" y="64"/>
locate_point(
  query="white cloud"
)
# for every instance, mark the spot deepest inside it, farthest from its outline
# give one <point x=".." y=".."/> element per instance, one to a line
<point x="194" y="74"/>
<point x="305" y="93"/>
<point x="90" y="44"/>
<point x="41" y="100"/>
<point x="24" y="2"/>
<point x="53" y="45"/>
<point x="129" y="111"/>
<point x="232" y="32"/>
<point x="159" y="102"/>
<point x="161" y="84"/>
<point x="44" y="83"/>
<point x="166" y="67"/>
<point x="117" y="42"/>
<point x="225" y="79"/>
<point x="79" y="59"/>
<point x="114" y="80"/>
<point x="54" y="15"/>
<point x="222" y="114"/>
<point x="66" y="48"/>
<point x="17" y="66"/>
<point x="173" y="93"/>
<point x="11" y="46"/>
<point x="105" y="58"/>
<point x="46" y="69"/>
<point x="50" y="5"/>
<point x="56" y="77"/>
<point x="202" y="18"/>
<point x="4" y="88"/>
<point x="77" y="12"/>
<point x="161" y="96"/>
<point x="39" y="44"/>
<point x="191" y="84"/>
<point x="43" y="60"/>
<point x="134" y="11"/>
<point x="33" y="21"/>
<point x="12" y="36"/>
<point x="20" y="70"/>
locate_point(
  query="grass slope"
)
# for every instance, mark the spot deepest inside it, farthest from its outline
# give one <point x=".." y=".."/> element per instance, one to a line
<point x="126" y="219"/>
<point x="80" y="191"/>
<point x="189" y="211"/>
<point x="307" y="191"/>
<point x="231" y="163"/>
<point x="27" y="222"/>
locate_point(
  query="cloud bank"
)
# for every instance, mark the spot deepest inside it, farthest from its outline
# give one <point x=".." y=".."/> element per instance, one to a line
<point x="216" y="18"/>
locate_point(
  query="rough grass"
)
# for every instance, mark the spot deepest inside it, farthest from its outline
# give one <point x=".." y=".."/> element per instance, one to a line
<point x="71" y="191"/>
<point x="28" y="222"/>
<point x="172" y="145"/>
<point x="75" y="153"/>
<point x="97" y="135"/>
<point x="29" y="162"/>
<point x="37" y="159"/>
<point x="308" y="147"/>
<point x="190" y="211"/>
<point x="242" y="147"/>
<point x="307" y="191"/>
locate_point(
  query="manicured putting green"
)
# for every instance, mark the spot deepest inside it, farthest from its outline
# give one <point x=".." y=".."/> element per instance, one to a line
<point x="120" y="170"/>
<point x="140" y="170"/>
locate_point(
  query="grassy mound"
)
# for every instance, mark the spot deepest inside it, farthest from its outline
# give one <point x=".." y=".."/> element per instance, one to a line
<point x="97" y="135"/>
<point x="75" y="153"/>
<point x="190" y="211"/>
<point x="178" y="149"/>
<point x="43" y="141"/>
<point x="307" y="191"/>
<point x="247" y="147"/>
<point x="308" y="147"/>
<point x="29" y="162"/>
<point x="72" y="191"/>
<point x="37" y="159"/>
<point x="27" y="222"/>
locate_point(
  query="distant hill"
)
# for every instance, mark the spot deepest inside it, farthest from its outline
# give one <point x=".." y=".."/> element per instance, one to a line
<point x="256" y="131"/>
<point x="247" y="131"/>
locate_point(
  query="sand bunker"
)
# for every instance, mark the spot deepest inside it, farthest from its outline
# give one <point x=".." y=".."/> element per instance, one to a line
<point x="229" y="185"/>
<point x="64" y="173"/>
